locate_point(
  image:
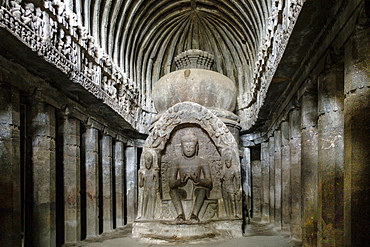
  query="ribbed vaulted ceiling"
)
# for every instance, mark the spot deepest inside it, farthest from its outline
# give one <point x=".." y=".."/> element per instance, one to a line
<point x="143" y="37"/>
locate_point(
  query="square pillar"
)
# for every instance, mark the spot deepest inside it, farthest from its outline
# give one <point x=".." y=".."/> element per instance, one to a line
<point x="246" y="182"/>
<point x="107" y="153"/>
<point x="309" y="159"/>
<point x="41" y="227"/>
<point x="295" y="173"/>
<point x="131" y="182"/>
<point x="277" y="163"/>
<point x="91" y="149"/>
<point x="119" y="164"/>
<point x="272" y="178"/>
<point x="265" y="197"/>
<point x="286" y="194"/>
<point x="10" y="168"/>
<point x="331" y="156"/>
<point x="357" y="138"/>
<point x="69" y="141"/>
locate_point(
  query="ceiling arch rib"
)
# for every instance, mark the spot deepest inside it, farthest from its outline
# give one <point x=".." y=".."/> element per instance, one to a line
<point x="144" y="36"/>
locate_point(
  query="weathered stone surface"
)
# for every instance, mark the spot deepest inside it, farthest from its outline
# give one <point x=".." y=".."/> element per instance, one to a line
<point x="205" y="87"/>
<point x="272" y="178"/>
<point x="91" y="143"/>
<point x="131" y="184"/>
<point x="331" y="166"/>
<point x="356" y="138"/>
<point x="107" y="164"/>
<point x="41" y="152"/>
<point x="309" y="158"/>
<point x="286" y="193"/>
<point x="265" y="197"/>
<point x="295" y="173"/>
<point x="69" y="132"/>
<point x="256" y="176"/>
<point x="10" y="170"/>
<point x="246" y="183"/>
<point x="278" y="192"/>
<point x="198" y="173"/>
<point x="119" y="169"/>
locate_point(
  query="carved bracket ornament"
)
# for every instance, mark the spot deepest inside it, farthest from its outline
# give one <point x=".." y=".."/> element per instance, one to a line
<point x="54" y="33"/>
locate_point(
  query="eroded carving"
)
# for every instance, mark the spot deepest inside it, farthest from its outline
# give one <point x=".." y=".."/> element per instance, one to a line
<point x="189" y="167"/>
<point x="148" y="181"/>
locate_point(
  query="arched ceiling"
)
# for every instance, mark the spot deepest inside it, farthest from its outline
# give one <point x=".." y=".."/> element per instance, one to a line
<point x="144" y="36"/>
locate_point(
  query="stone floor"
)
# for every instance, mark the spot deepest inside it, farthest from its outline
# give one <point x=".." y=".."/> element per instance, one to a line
<point x="257" y="234"/>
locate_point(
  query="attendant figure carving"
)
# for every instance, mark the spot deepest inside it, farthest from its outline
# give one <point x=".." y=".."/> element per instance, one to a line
<point x="149" y="182"/>
<point x="189" y="167"/>
<point x="229" y="183"/>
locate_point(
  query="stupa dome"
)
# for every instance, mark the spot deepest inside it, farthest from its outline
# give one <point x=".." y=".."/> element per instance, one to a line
<point x="194" y="82"/>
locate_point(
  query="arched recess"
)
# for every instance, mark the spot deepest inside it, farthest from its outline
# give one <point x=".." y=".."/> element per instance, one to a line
<point x="203" y="124"/>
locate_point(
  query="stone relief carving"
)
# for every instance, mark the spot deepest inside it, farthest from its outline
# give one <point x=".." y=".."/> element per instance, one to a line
<point x="189" y="167"/>
<point x="279" y="26"/>
<point x="148" y="181"/>
<point x="230" y="183"/>
<point x="54" y="32"/>
<point x="193" y="145"/>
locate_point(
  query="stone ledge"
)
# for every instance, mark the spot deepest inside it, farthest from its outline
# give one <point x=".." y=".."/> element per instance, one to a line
<point x="165" y="232"/>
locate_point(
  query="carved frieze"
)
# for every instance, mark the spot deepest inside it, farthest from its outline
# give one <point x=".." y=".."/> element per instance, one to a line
<point x="55" y="34"/>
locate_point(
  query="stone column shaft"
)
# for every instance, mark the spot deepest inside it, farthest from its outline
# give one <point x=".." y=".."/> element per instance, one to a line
<point x="256" y="176"/>
<point x="286" y="207"/>
<point x="331" y="158"/>
<point x="107" y="155"/>
<point x="246" y="180"/>
<point x="309" y="159"/>
<point x="91" y="142"/>
<point x="131" y="182"/>
<point x="357" y="138"/>
<point x="265" y="197"/>
<point x="69" y="130"/>
<point x="272" y="178"/>
<point x="277" y="162"/>
<point x="41" y="230"/>
<point x="295" y="172"/>
<point x="10" y="167"/>
<point x="119" y="163"/>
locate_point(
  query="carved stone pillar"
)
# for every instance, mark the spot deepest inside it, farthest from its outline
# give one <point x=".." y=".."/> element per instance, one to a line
<point x="277" y="163"/>
<point x="309" y="159"/>
<point x="331" y="166"/>
<point x="286" y="195"/>
<point x="131" y="182"/>
<point x="357" y="138"/>
<point x="265" y="197"/>
<point x="295" y="172"/>
<point x="119" y="164"/>
<point x="41" y="155"/>
<point x="91" y="143"/>
<point x="272" y="178"/>
<point x="256" y="176"/>
<point x="246" y="181"/>
<point x="69" y="143"/>
<point x="106" y="153"/>
<point x="10" y="196"/>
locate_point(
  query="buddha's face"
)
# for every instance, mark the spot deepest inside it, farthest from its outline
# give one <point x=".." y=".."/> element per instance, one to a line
<point x="189" y="148"/>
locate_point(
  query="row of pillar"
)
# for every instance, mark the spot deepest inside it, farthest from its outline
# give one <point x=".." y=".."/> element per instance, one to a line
<point x="314" y="169"/>
<point x="62" y="180"/>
